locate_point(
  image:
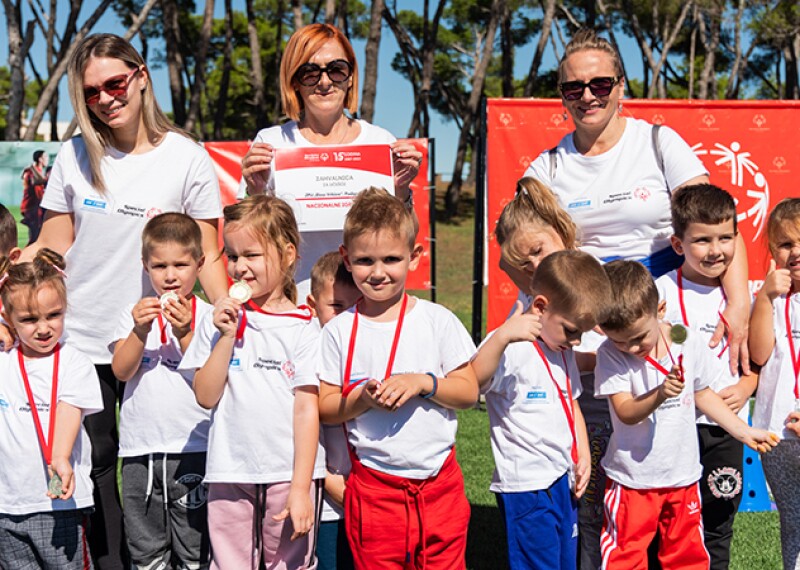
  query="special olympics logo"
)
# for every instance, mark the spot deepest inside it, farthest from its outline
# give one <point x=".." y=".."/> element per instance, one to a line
<point x="708" y="119"/>
<point x="642" y="193"/>
<point x="525" y="161"/>
<point x="779" y="162"/>
<point x="759" y="120"/>
<point x="505" y="118"/>
<point x="657" y="119"/>
<point x="153" y="212"/>
<point x="324" y="157"/>
<point x="557" y="119"/>
<point x="288" y="369"/>
<point x="506" y="289"/>
<point x="746" y="175"/>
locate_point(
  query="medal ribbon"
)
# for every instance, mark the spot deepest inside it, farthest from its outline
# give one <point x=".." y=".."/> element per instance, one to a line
<point x="657" y="365"/>
<point x="568" y="411"/>
<point x="163" y="325"/>
<point x="47" y="448"/>
<point x="349" y="386"/>
<point x="303" y="313"/>
<point x="679" y="279"/>
<point x="794" y="355"/>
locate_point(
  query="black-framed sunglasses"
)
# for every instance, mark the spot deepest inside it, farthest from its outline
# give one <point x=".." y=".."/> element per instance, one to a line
<point x="599" y="86"/>
<point x="116" y="86"/>
<point x="338" y="70"/>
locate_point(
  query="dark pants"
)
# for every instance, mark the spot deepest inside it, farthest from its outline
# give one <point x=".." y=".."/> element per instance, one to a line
<point x="333" y="551"/>
<point x="721" y="489"/>
<point x="106" y="533"/>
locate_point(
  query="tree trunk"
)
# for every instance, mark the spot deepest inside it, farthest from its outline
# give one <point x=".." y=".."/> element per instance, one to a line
<point x="172" y="41"/>
<point x="330" y="11"/>
<point x="506" y="50"/>
<point x="453" y="196"/>
<point x="256" y="72"/>
<point x="18" y="46"/>
<point x="51" y="89"/>
<point x="227" y="54"/>
<point x="200" y="68"/>
<point x="275" y="64"/>
<point x="531" y="83"/>
<point x="297" y="13"/>
<point x="371" y="61"/>
<point x="791" y="89"/>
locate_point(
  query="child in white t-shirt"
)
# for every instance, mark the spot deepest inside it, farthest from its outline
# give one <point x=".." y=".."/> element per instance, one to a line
<point x="46" y="391"/>
<point x="704" y="222"/>
<point x="654" y="375"/>
<point x="775" y="344"/>
<point x="163" y="431"/>
<point x="332" y="292"/>
<point x="394" y="367"/>
<point x="528" y="371"/>
<point x="255" y="359"/>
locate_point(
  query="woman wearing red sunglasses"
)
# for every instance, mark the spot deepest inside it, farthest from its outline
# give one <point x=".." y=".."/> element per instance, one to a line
<point x="319" y="82"/>
<point x="615" y="176"/>
<point x="129" y="164"/>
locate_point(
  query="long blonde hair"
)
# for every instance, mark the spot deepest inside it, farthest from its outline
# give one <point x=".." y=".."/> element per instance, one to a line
<point x="96" y="134"/>
<point x="272" y="222"/>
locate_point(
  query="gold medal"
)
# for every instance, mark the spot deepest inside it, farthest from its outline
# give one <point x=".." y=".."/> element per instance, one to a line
<point x="678" y="334"/>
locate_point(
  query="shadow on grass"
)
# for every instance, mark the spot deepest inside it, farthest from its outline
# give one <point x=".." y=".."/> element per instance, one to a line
<point x="486" y="541"/>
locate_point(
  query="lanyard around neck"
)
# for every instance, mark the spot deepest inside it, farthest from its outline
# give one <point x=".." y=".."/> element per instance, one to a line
<point x="568" y="411"/>
<point x="657" y="365"/>
<point x="303" y="313"/>
<point x="348" y="386"/>
<point x="679" y="279"/>
<point x="795" y="356"/>
<point x="46" y="445"/>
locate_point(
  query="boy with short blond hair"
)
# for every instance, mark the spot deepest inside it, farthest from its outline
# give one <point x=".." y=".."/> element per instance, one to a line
<point x="332" y="292"/>
<point x="163" y="431"/>
<point x="654" y="375"/>
<point x="528" y="372"/>
<point x="704" y="222"/>
<point x="394" y="368"/>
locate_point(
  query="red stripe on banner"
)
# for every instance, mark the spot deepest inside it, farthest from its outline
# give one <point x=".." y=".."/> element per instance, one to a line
<point x="370" y="158"/>
<point x="750" y="148"/>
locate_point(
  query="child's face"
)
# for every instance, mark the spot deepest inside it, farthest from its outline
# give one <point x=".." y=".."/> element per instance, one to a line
<point x="172" y="267"/>
<point x="334" y="298"/>
<point x="786" y="249"/>
<point x="380" y="262"/>
<point x="638" y="339"/>
<point x="249" y="262"/>
<point x="560" y="331"/>
<point x="708" y="251"/>
<point x="531" y="245"/>
<point x="38" y="327"/>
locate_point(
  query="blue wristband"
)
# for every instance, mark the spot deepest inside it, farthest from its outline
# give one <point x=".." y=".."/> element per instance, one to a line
<point x="432" y="393"/>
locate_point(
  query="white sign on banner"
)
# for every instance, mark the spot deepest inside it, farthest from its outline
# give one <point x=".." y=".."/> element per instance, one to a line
<point x="321" y="182"/>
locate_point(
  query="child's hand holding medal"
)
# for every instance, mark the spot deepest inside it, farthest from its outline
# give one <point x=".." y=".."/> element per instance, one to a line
<point x="178" y="311"/>
<point x="144" y="313"/>
<point x="62" y="480"/>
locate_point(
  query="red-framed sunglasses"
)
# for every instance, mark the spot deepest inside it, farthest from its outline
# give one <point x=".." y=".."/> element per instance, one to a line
<point x="599" y="86"/>
<point x="116" y="86"/>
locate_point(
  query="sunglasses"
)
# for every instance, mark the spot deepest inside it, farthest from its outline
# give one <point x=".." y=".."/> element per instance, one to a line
<point x="116" y="86"/>
<point x="338" y="70"/>
<point x="599" y="86"/>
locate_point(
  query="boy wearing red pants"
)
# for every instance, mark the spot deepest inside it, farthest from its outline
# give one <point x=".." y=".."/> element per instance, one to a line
<point x="394" y="367"/>
<point x="654" y="375"/>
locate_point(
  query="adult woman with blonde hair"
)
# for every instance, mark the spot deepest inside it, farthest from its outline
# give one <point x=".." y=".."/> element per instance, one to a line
<point x="615" y="176"/>
<point x="129" y="164"/>
<point x="319" y="82"/>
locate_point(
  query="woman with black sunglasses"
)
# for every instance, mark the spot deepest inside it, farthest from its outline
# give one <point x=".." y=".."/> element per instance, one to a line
<point x="319" y="82"/>
<point x="129" y="164"/>
<point x="615" y="176"/>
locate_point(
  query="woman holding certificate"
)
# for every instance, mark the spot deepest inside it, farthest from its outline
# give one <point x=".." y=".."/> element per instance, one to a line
<point x="319" y="82"/>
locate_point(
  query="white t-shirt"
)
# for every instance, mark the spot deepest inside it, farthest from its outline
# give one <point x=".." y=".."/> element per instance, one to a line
<point x="775" y="395"/>
<point x="159" y="413"/>
<point x="251" y="436"/>
<point x="618" y="199"/>
<point x="23" y="475"/>
<point x="414" y="440"/>
<point x="661" y="450"/>
<point x="104" y="262"/>
<point x="313" y="244"/>
<point x="531" y="439"/>
<point x="337" y="461"/>
<point x="703" y="305"/>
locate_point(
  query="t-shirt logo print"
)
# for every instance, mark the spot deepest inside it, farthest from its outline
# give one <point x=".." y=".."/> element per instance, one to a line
<point x="288" y="369"/>
<point x="725" y="482"/>
<point x="642" y="193"/>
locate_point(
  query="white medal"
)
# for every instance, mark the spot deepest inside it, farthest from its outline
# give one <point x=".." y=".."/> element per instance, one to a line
<point x="240" y="291"/>
<point x="167" y="297"/>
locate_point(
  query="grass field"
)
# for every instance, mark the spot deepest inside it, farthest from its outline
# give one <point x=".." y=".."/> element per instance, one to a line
<point x="756" y="544"/>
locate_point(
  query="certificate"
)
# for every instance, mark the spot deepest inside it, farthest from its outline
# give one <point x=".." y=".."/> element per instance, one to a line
<point x="321" y="182"/>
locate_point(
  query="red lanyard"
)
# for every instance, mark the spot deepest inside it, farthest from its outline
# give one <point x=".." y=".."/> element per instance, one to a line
<point x="348" y="385"/>
<point x="568" y="411"/>
<point x="657" y="365"/>
<point x="303" y="313"/>
<point x="794" y="355"/>
<point x="683" y="309"/>
<point x="47" y="448"/>
<point x="163" y="326"/>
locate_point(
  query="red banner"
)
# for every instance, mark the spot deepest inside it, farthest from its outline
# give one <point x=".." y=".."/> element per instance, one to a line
<point x="227" y="158"/>
<point x="750" y="149"/>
